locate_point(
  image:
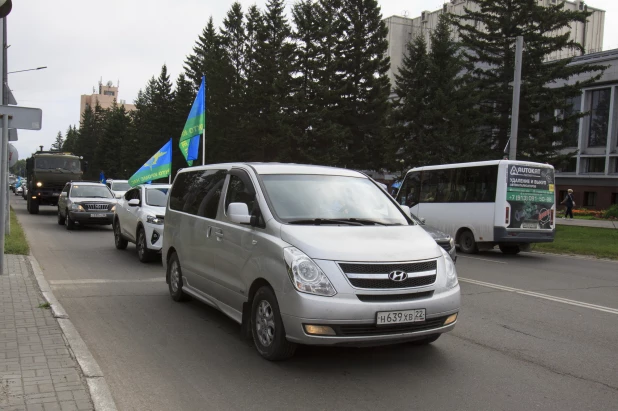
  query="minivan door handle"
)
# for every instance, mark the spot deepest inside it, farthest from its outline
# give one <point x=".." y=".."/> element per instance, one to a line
<point x="219" y="234"/>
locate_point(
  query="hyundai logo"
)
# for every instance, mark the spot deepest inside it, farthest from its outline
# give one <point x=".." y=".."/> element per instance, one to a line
<point x="398" y="275"/>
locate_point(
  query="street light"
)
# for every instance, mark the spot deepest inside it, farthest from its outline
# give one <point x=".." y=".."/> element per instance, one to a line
<point x="32" y="69"/>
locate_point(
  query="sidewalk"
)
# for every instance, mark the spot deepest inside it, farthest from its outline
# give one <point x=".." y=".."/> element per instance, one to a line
<point x="37" y="369"/>
<point x="587" y="223"/>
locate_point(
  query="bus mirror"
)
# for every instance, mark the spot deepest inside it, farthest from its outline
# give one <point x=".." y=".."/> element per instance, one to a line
<point x="406" y="210"/>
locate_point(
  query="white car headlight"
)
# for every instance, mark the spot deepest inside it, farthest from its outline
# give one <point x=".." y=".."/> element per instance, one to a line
<point x="305" y="274"/>
<point x="77" y="207"/>
<point x="451" y="272"/>
<point x="154" y="220"/>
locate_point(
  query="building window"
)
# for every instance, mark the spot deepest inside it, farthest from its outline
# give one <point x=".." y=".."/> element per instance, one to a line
<point x="590" y="198"/>
<point x="599" y="117"/>
<point x="595" y="165"/>
<point x="614" y="198"/>
<point x="571" y="134"/>
<point x="569" y="166"/>
<point x="109" y="93"/>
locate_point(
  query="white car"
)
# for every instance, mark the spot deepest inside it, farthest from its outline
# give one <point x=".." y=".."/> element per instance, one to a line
<point x="139" y="219"/>
<point x="119" y="187"/>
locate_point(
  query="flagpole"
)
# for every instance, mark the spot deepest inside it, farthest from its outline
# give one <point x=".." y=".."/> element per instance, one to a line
<point x="204" y="131"/>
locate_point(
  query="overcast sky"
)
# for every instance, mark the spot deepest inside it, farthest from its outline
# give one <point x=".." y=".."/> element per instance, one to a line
<point x="82" y="41"/>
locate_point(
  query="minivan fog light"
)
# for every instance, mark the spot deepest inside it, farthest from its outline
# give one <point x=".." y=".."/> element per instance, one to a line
<point x="319" y="330"/>
<point x="451" y="319"/>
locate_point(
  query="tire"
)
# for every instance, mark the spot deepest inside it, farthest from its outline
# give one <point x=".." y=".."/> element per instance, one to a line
<point x="33" y="206"/>
<point x="120" y="242"/>
<point x="267" y="327"/>
<point x="427" y="340"/>
<point x="509" y="249"/>
<point x="70" y="224"/>
<point x="467" y="244"/>
<point x="61" y="219"/>
<point x="143" y="253"/>
<point x="174" y="273"/>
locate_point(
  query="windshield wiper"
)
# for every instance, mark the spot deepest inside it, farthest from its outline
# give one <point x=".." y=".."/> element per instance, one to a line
<point x="320" y="221"/>
<point x="366" y="221"/>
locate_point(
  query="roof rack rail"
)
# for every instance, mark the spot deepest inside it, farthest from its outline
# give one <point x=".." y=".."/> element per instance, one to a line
<point x="85" y="181"/>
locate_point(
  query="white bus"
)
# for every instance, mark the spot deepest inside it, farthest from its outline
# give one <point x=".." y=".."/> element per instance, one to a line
<point x="487" y="203"/>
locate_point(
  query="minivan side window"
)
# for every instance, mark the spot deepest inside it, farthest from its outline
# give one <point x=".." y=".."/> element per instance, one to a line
<point x="198" y="192"/>
<point x="240" y="190"/>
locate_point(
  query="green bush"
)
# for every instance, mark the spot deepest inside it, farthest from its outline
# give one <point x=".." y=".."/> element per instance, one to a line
<point x="612" y="211"/>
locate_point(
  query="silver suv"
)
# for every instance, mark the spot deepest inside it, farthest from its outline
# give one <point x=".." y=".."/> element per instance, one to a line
<point x="86" y="203"/>
<point x="306" y="255"/>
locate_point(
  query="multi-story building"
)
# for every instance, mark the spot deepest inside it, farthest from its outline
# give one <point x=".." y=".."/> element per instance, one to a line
<point x="593" y="171"/>
<point x="403" y="29"/>
<point x="105" y="97"/>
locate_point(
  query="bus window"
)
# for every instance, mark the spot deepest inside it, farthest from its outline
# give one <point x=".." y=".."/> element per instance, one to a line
<point x="410" y="190"/>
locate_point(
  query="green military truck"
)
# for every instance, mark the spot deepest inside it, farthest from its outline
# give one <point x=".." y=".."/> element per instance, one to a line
<point x="47" y="173"/>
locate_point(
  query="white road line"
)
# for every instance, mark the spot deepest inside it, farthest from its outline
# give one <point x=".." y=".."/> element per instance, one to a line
<point x="104" y="281"/>
<point x="482" y="259"/>
<point x="543" y="296"/>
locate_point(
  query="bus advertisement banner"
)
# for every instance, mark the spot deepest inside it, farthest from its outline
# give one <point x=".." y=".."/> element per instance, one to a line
<point x="530" y="191"/>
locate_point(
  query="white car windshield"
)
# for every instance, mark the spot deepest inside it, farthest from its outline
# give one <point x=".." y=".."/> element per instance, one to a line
<point x="156" y="197"/>
<point x="89" y="191"/>
<point x="327" y="199"/>
<point x="120" y="186"/>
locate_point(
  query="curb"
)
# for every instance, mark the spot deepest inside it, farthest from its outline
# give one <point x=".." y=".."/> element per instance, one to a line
<point x="97" y="386"/>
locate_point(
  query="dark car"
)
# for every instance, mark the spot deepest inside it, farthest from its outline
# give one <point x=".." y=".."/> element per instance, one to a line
<point x="444" y="240"/>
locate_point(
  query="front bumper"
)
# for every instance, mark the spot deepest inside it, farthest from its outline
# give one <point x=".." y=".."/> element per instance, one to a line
<point x="354" y="321"/>
<point x="154" y="236"/>
<point x="86" y="217"/>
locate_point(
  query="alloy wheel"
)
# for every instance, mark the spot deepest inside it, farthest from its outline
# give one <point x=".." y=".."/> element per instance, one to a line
<point x="265" y="323"/>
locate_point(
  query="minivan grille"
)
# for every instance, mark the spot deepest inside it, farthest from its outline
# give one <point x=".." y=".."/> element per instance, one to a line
<point x="359" y="330"/>
<point x="384" y="298"/>
<point x="376" y="276"/>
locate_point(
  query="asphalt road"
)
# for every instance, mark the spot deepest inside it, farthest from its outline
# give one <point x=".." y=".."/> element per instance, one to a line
<point x="535" y="332"/>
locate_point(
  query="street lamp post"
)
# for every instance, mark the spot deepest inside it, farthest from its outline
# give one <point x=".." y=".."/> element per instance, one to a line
<point x="32" y="69"/>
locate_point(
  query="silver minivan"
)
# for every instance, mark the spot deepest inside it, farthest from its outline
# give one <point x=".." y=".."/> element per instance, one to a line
<point x="306" y="255"/>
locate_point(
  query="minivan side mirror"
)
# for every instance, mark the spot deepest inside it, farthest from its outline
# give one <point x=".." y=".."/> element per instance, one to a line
<point x="239" y="213"/>
<point x="406" y="210"/>
<point x="133" y="202"/>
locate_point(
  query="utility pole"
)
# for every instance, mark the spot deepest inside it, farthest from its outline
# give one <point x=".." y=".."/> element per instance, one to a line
<point x="519" y="46"/>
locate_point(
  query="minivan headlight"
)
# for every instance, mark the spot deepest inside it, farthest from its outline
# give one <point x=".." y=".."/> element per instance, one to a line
<point x="305" y="274"/>
<point x="451" y="272"/>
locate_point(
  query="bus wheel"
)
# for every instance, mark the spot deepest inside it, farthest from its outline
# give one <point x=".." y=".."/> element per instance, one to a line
<point x="467" y="244"/>
<point x="509" y="249"/>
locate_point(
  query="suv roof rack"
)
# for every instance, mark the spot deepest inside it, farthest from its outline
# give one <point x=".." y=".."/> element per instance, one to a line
<point x="85" y="181"/>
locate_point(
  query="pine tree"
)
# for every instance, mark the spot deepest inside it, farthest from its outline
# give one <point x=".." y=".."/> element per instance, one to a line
<point x="160" y="113"/>
<point x="70" y="140"/>
<point x="109" y="150"/>
<point x="273" y="87"/>
<point x="135" y="147"/>
<point x="57" y="145"/>
<point x="408" y="116"/>
<point x="362" y="66"/>
<point x="490" y="47"/>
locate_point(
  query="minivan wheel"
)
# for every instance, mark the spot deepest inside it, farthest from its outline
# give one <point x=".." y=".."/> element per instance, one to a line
<point x="144" y="254"/>
<point x="467" y="244"/>
<point x="427" y="340"/>
<point x="119" y="241"/>
<point x="174" y="273"/>
<point x="267" y="328"/>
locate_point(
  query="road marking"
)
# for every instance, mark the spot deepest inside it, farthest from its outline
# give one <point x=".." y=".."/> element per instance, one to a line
<point x="543" y="296"/>
<point x="104" y="281"/>
<point x="482" y="259"/>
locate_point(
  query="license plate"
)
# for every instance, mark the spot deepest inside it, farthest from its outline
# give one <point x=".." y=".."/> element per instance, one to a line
<point x="529" y="225"/>
<point x="97" y="215"/>
<point x="400" y="317"/>
<point x="56" y="194"/>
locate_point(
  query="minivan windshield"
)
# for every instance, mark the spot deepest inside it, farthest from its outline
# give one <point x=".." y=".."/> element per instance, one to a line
<point x="91" y="191"/>
<point x="328" y="199"/>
